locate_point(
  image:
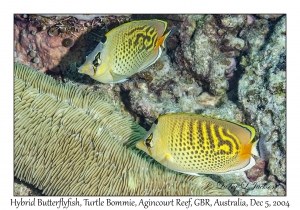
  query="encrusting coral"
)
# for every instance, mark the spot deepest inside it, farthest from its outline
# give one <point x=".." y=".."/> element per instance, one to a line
<point x="262" y="90"/>
<point x="68" y="141"/>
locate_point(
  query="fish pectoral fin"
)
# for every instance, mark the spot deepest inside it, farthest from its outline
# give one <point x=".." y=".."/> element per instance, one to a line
<point x="169" y="157"/>
<point x="118" y="78"/>
<point x="166" y="160"/>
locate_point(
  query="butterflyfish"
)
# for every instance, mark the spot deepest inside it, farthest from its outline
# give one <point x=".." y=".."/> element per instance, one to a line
<point x="196" y="144"/>
<point x="126" y="50"/>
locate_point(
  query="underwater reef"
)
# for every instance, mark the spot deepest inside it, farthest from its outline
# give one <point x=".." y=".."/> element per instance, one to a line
<point x="231" y="67"/>
<point x="68" y="141"/>
<point x="262" y="92"/>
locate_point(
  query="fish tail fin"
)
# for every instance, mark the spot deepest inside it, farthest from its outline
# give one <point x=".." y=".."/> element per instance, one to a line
<point x="164" y="37"/>
<point x="254" y="150"/>
<point x="259" y="148"/>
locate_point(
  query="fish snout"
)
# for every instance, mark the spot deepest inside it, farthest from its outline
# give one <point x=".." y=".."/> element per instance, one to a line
<point x="86" y="68"/>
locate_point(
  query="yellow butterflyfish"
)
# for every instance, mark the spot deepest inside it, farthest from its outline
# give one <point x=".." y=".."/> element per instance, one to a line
<point x="193" y="144"/>
<point x="127" y="49"/>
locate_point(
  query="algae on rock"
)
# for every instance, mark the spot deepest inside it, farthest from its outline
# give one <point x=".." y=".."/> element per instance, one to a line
<point x="211" y="49"/>
<point x="262" y="93"/>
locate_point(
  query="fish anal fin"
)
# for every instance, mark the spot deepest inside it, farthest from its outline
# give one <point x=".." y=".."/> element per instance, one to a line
<point x="244" y="165"/>
<point x="189" y="173"/>
<point x="118" y="78"/>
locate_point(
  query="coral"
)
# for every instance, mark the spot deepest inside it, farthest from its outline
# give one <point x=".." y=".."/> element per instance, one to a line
<point x="232" y="21"/>
<point x="68" y="42"/>
<point x="268" y="189"/>
<point x="227" y="111"/>
<point x="262" y="90"/>
<point x="235" y="183"/>
<point x="36" y="60"/>
<point x="32" y="53"/>
<point x="96" y="106"/>
<point x="164" y="91"/>
<point x="70" y="142"/>
<point x="23" y="189"/>
<point x="256" y="171"/>
<point x="208" y="49"/>
<point x="270" y="16"/>
<point x="87" y="17"/>
<point x="255" y="35"/>
<point x="53" y="31"/>
<point x="47" y="36"/>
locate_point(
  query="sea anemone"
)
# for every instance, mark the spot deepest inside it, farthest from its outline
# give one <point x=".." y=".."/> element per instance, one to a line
<point x="68" y="42"/>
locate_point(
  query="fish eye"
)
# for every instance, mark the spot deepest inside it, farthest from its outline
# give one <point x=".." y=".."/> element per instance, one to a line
<point x="148" y="141"/>
<point x="97" y="61"/>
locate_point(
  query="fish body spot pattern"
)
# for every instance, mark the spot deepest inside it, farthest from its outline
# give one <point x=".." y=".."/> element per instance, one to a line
<point x="127" y="49"/>
<point x="193" y="144"/>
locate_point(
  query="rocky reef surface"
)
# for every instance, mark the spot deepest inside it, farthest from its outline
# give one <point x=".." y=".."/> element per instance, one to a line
<point x="230" y="67"/>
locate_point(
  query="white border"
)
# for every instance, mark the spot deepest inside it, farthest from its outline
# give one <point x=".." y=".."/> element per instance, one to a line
<point x="141" y="7"/>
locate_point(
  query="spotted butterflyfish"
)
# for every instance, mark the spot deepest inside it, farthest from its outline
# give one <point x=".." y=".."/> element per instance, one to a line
<point x="126" y="50"/>
<point x="196" y="144"/>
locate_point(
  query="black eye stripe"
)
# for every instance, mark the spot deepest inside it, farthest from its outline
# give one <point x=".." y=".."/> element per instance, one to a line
<point x="149" y="141"/>
<point x="97" y="56"/>
<point x="97" y="60"/>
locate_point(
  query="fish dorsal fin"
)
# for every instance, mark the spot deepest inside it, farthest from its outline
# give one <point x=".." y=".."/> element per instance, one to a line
<point x="117" y="28"/>
<point x="249" y="128"/>
<point x="159" y="25"/>
<point x="243" y="166"/>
